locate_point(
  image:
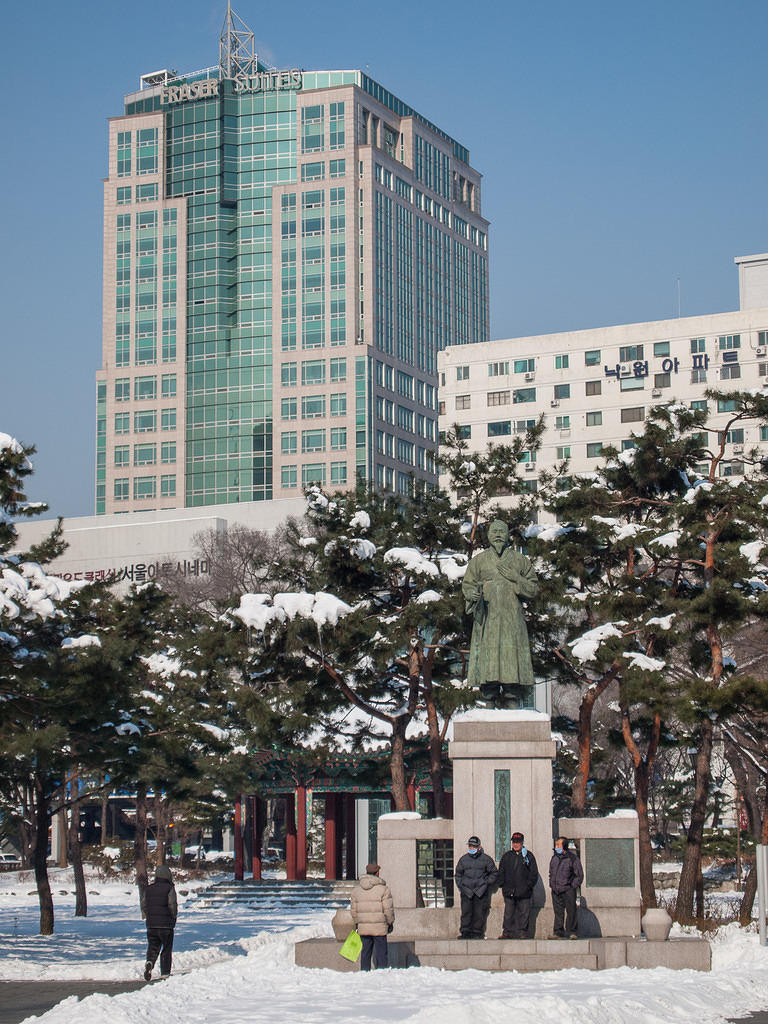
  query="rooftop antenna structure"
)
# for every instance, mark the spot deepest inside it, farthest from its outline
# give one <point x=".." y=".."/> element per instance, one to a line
<point x="237" y="47"/>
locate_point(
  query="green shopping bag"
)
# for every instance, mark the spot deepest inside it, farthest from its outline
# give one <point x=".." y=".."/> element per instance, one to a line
<point x="352" y="947"/>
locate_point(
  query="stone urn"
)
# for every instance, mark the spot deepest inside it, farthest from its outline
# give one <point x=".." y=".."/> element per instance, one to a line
<point x="342" y="923"/>
<point x="656" y="924"/>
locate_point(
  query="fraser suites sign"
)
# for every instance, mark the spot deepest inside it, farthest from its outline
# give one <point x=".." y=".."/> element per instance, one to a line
<point x="263" y="81"/>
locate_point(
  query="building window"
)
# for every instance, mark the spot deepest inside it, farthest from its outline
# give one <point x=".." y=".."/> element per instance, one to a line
<point x="562" y="422"/>
<point x="731" y="371"/>
<point x="593" y="387"/>
<point x="145" y="422"/>
<point x="562" y="391"/>
<point x="168" y="486"/>
<point x="336" y="125"/>
<point x="313" y="473"/>
<point x="464" y="432"/>
<point x="338" y="370"/>
<point x="123" y="389"/>
<point x="564" y="452"/>
<point x="313" y="172"/>
<point x="169" y="385"/>
<point x="764" y="433"/>
<point x="338" y="473"/>
<point x="124" y="195"/>
<point x="661" y="348"/>
<point x="338" y="404"/>
<point x="144" y="487"/>
<point x="499" y="428"/>
<point x="146" y="193"/>
<point x="312" y="129"/>
<point x="146" y="151"/>
<point x="313" y="440"/>
<point x="731" y="469"/>
<point x="462" y="373"/>
<point x="594" y="419"/>
<point x="698" y="376"/>
<point x="338" y="168"/>
<point x="168" y="451"/>
<point x="634" y="415"/>
<point x="123" y="154"/>
<point x="463" y="401"/>
<point x="288" y="442"/>
<point x="729" y="341"/>
<point x="630" y="353"/>
<point x="288" y="408"/>
<point x="497" y="398"/>
<point x="288" y="476"/>
<point x="122" y="423"/>
<point x="523" y="395"/>
<point x="144" y="454"/>
<point x="700" y="405"/>
<point x="122" y="455"/>
<point x="121" y="489"/>
<point x="632" y="384"/>
<point x="168" y="419"/>
<point x="698" y="345"/>
<point x="145" y="388"/>
<point x="561" y="362"/>
<point x="726" y="405"/>
<point x="662" y="380"/>
<point x="498" y="369"/>
<point x="312" y="372"/>
<point x="594" y="449"/>
<point x="288" y="375"/>
<point x="339" y="439"/>
<point x="592" y="357"/>
<point x="525" y="365"/>
<point x="312" y="407"/>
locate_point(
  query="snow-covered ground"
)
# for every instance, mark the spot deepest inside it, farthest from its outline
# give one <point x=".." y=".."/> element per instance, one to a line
<point x="234" y="964"/>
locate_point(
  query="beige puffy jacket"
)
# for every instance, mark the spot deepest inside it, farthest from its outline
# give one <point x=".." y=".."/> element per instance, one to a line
<point x="371" y="905"/>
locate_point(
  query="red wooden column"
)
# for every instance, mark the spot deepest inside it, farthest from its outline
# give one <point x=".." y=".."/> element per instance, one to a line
<point x="257" y="814"/>
<point x="290" y="838"/>
<point x="332" y="831"/>
<point x="349" y="828"/>
<point x="301" y="832"/>
<point x="411" y="794"/>
<point x="239" y="858"/>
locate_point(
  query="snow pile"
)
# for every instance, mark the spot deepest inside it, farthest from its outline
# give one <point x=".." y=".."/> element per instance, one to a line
<point x="752" y="551"/>
<point x="642" y="661"/>
<point x="585" y="647"/>
<point x="412" y="560"/>
<point x="87" y="640"/>
<point x="667" y="540"/>
<point x="257" y="612"/>
<point x="29" y="589"/>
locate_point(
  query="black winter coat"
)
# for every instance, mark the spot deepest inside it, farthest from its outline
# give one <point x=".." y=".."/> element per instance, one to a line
<point x="475" y="873"/>
<point x="565" y="872"/>
<point x="518" y="874"/>
<point x="160" y="904"/>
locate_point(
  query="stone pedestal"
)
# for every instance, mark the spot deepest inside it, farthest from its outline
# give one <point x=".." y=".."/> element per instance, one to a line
<point x="502" y="781"/>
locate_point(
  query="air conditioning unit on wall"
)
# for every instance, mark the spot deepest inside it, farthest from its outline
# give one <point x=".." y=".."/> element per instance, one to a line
<point x="554" y="403"/>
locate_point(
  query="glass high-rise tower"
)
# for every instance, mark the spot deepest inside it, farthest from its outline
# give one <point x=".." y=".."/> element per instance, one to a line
<point x="285" y="253"/>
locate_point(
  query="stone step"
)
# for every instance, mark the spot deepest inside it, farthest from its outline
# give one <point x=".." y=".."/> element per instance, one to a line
<point x="508" y="962"/>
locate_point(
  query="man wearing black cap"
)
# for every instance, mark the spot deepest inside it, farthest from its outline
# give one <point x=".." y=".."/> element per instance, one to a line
<point x="518" y="874"/>
<point x="373" y="914"/>
<point x="475" y="876"/>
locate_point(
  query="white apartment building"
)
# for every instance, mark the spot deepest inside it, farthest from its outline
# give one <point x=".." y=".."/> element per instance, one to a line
<point x="595" y="387"/>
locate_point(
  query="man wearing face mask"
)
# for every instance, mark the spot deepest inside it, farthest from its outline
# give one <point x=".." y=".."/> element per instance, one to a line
<point x="565" y="876"/>
<point x="475" y="877"/>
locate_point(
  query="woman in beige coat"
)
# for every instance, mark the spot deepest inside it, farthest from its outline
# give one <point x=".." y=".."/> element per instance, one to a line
<point x="373" y="913"/>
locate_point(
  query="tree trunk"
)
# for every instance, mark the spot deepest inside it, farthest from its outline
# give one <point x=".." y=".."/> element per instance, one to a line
<point x="75" y="853"/>
<point x="140" y="843"/>
<point x="435" y="738"/>
<point x="581" y="779"/>
<point x="643" y="767"/>
<point x="40" y="858"/>
<point x="397" y="764"/>
<point x="748" y="898"/>
<point x="691" y="870"/>
<point x="104" y="810"/>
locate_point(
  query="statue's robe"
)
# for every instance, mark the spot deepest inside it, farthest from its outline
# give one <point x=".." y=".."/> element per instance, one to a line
<point x="493" y="588"/>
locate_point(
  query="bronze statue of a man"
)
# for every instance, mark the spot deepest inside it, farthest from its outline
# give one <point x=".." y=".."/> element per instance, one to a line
<point x="495" y="582"/>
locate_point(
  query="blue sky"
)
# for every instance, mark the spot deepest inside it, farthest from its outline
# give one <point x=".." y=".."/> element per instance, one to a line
<point x="623" y="145"/>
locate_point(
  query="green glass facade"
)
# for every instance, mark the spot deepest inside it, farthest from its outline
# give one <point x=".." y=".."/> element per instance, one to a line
<point x="277" y="261"/>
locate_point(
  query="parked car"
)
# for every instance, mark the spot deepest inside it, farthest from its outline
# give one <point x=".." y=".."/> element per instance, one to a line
<point x="9" y="861"/>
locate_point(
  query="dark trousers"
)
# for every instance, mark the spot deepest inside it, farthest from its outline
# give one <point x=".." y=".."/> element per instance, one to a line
<point x="376" y="944"/>
<point x="160" y="939"/>
<point x="474" y="914"/>
<point x="565" y="903"/>
<point x="517" y="916"/>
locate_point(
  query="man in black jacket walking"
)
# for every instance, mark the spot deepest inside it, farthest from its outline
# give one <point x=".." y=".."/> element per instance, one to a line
<point x="565" y="876"/>
<point x="160" y="908"/>
<point x="518" y="874"/>
<point x="475" y="876"/>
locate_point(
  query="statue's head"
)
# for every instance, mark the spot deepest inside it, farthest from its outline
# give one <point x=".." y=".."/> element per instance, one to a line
<point x="498" y="535"/>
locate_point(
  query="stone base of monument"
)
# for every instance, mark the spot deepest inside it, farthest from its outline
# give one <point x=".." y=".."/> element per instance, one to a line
<point x="520" y="955"/>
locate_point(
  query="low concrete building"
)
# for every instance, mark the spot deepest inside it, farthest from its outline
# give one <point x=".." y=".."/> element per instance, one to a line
<point x="595" y="387"/>
<point x="141" y="546"/>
